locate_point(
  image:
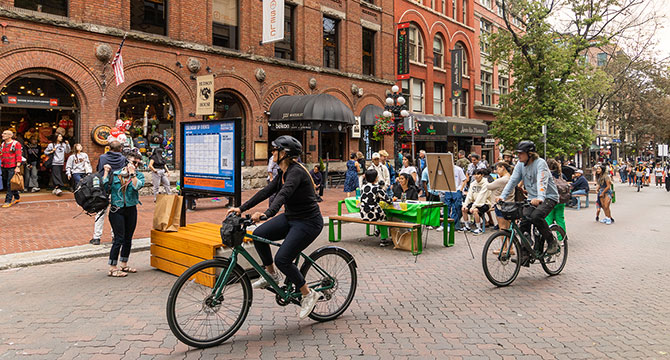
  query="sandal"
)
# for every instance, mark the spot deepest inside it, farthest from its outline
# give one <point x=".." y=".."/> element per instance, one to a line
<point x="128" y="269"/>
<point x="116" y="273"/>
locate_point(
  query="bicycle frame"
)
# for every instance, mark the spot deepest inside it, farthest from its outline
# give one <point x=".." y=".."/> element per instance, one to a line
<point x="514" y="231"/>
<point x="290" y="294"/>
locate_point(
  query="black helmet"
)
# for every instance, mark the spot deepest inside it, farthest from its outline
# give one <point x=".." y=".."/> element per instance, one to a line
<point x="289" y="144"/>
<point x="525" y="146"/>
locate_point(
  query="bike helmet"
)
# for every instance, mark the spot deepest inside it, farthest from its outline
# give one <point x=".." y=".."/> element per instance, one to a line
<point x="525" y="146"/>
<point x="289" y="144"/>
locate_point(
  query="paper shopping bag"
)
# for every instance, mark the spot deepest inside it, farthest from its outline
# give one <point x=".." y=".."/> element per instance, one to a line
<point x="167" y="213"/>
<point x="16" y="182"/>
<point x="405" y="240"/>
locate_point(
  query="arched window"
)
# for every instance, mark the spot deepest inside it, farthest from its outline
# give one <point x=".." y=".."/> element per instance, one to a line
<point x="438" y="52"/>
<point x="415" y="44"/>
<point x="464" y="60"/>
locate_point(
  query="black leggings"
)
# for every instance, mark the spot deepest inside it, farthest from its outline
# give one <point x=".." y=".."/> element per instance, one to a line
<point x="123" y="222"/>
<point x="297" y="235"/>
<point x="537" y="216"/>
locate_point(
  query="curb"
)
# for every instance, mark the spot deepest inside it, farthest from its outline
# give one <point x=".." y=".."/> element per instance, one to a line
<point x="51" y="256"/>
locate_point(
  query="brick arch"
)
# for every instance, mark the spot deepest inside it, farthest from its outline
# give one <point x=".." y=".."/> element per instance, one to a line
<point x="80" y="78"/>
<point x="241" y="87"/>
<point x="368" y="99"/>
<point x="441" y="28"/>
<point x="340" y="95"/>
<point x="460" y="36"/>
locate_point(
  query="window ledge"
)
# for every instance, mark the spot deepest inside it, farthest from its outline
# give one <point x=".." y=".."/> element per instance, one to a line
<point x="440" y="69"/>
<point x="486" y="109"/>
<point x="418" y="63"/>
<point x="371" y="6"/>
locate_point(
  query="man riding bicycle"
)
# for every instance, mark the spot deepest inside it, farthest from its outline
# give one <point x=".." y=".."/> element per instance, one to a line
<point x="299" y="225"/>
<point x="542" y="191"/>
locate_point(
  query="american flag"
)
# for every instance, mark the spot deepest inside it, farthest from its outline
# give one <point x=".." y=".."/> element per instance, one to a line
<point x="117" y="64"/>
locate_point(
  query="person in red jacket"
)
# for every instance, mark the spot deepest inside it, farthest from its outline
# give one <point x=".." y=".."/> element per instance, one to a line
<point x="10" y="159"/>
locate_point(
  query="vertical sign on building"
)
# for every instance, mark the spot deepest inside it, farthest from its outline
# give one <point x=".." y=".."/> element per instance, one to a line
<point x="273" y="20"/>
<point x="456" y="73"/>
<point x="205" y="95"/>
<point x="403" y="51"/>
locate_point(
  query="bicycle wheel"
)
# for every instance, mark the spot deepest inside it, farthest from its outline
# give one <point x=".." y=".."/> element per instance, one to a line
<point x="501" y="269"/>
<point x="554" y="264"/>
<point x="340" y="265"/>
<point x="195" y="316"/>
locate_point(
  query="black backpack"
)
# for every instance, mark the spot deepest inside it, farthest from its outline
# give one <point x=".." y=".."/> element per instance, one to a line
<point x="564" y="193"/>
<point x="91" y="195"/>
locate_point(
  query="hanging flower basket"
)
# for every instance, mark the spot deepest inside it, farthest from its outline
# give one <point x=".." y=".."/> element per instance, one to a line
<point x="404" y="133"/>
<point x="383" y="126"/>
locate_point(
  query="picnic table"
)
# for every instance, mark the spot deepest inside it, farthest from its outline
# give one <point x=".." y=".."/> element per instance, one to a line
<point x="425" y="213"/>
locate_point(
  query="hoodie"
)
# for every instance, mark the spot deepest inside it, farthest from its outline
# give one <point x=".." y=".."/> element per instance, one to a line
<point x="478" y="194"/>
<point x="115" y="159"/>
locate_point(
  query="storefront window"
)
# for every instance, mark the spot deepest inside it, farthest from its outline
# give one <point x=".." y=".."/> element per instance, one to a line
<point x="149" y="16"/>
<point x="152" y="115"/>
<point x="333" y="145"/>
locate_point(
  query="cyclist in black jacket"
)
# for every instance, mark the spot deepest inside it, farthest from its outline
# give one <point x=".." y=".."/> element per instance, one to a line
<point x="299" y="225"/>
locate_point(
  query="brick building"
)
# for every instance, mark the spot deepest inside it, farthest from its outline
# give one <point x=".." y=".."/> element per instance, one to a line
<point x="60" y="50"/>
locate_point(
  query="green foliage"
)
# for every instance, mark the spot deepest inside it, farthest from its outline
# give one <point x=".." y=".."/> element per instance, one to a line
<point x="550" y="80"/>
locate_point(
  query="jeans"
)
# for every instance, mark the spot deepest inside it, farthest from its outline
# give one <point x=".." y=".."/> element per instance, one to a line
<point x="454" y="202"/>
<point x="123" y="222"/>
<point x="537" y="216"/>
<point x="297" y="235"/>
<point x="31" y="175"/>
<point x="76" y="178"/>
<point x="7" y="174"/>
<point x="159" y="178"/>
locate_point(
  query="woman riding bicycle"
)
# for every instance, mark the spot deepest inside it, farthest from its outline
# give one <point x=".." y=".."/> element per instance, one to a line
<point x="299" y="225"/>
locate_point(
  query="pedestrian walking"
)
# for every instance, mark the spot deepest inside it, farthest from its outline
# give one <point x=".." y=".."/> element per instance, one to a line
<point x="318" y="182"/>
<point x="116" y="160"/>
<point x="604" y="198"/>
<point x="382" y="171"/>
<point x="124" y="186"/>
<point x="57" y="150"/>
<point x="159" y="172"/>
<point x="10" y="161"/>
<point x="658" y="172"/>
<point x="78" y="165"/>
<point x="383" y="159"/>
<point x="361" y="169"/>
<point x="557" y="214"/>
<point x="32" y="154"/>
<point x="351" y="176"/>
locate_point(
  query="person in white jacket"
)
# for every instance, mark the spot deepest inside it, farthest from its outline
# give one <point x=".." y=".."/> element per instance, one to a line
<point x="78" y="165"/>
<point x="382" y="170"/>
<point x="478" y="201"/>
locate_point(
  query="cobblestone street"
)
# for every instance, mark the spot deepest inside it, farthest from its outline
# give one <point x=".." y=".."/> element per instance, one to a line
<point x="611" y="301"/>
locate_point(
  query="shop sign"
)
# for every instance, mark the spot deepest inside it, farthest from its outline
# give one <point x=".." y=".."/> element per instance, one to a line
<point x="290" y="125"/>
<point x="273" y="20"/>
<point x="456" y="73"/>
<point x="356" y="129"/>
<point x="490" y="141"/>
<point x="29" y="100"/>
<point x="205" y="95"/>
<point x="430" y="130"/>
<point x="403" y="51"/>
<point x="467" y="130"/>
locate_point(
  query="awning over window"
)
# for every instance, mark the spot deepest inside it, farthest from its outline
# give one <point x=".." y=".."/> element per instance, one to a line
<point x="369" y="113"/>
<point x="321" y="112"/>
<point x="467" y="127"/>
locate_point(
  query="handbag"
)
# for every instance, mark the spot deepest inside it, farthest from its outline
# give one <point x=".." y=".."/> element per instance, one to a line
<point x="167" y="213"/>
<point x="16" y="182"/>
<point x="407" y="240"/>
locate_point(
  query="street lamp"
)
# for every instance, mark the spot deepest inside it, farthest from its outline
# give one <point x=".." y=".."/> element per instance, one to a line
<point x="396" y="109"/>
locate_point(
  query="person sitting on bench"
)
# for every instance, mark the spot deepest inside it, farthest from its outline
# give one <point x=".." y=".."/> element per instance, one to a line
<point x="579" y="186"/>
<point x="405" y="188"/>
<point x="371" y="195"/>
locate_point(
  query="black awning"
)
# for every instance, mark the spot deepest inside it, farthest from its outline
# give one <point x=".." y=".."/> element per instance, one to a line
<point x="468" y="127"/>
<point x="316" y="112"/>
<point x="369" y="114"/>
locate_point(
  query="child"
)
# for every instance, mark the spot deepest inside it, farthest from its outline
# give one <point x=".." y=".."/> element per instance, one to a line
<point x="371" y="195"/>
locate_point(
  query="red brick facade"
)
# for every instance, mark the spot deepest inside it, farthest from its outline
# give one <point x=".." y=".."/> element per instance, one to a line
<point x="66" y="47"/>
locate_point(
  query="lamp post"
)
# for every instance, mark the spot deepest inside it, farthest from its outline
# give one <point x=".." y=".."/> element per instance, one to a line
<point x="395" y="108"/>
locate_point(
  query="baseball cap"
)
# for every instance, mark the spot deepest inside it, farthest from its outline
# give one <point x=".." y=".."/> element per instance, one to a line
<point x="580" y="171"/>
<point x="375" y="155"/>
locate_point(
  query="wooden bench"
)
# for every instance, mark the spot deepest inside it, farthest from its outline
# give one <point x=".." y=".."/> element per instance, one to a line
<point x="579" y="200"/>
<point x="174" y="252"/>
<point x="342" y="219"/>
<point x="336" y="178"/>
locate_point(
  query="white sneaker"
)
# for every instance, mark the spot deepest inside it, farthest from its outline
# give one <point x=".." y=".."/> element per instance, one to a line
<point x="261" y="283"/>
<point x="308" y="302"/>
<point x="477" y="231"/>
<point x="441" y="228"/>
<point x="603" y="220"/>
<point x="59" y="191"/>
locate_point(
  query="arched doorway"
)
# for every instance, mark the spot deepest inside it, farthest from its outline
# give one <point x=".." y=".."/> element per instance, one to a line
<point x="39" y="105"/>
<point x="151" y="112"/>
<point x="227" y="105"/>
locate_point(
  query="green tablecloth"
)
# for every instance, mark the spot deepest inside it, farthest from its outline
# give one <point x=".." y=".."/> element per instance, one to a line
<point x="430" y="214"/>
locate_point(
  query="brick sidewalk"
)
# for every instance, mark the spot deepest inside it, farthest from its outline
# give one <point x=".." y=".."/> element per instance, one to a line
<point x="43" y="221"/>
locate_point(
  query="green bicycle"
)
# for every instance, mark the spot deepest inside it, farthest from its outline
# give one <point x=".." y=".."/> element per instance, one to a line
<point x="210" y="301"/>
<point x="506" y="250"/>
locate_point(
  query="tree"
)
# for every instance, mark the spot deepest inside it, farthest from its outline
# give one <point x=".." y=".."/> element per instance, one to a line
<point x="551" y="82"/>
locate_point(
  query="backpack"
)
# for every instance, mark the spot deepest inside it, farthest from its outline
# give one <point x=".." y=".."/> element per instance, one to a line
<point x="91" y="195"/>
<point x="564" y="193"/>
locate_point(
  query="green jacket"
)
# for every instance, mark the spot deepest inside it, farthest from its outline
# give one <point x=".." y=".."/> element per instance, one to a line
<point x="131" y="196"/>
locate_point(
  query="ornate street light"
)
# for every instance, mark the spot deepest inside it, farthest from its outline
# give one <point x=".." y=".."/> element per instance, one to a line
<point x="396" y="108"/>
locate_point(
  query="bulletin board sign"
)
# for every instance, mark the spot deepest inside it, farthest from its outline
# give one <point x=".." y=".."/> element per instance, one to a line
<point x="210" y="158"/>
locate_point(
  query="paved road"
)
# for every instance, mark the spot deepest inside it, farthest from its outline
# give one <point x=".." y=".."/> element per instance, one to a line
<point x="610" y="302"/>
